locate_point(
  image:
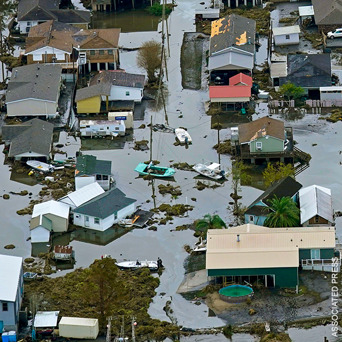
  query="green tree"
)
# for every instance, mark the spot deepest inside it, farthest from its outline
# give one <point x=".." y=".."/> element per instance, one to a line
<point x="209" y="222"/>
<point x="277" y="171"/>
<point x="284" y="213"/>
<point x="102" y="287"/>
<point x="149" y="58"/>
<point x="290" y="91"/>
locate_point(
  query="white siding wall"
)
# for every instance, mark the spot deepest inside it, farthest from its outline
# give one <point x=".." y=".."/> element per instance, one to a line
<point x="231" y="60"/>
<point x="119" y="93"/>
<point x="281" y="39"/>
<point x="38" y="55"/>
<point x="8" y="317"/>
<point x="40" y="234"/>
<point x="125" y="212"/>
<point x="32" y="107"/>
<point x="331" y="95"/>
<point x="23" y="25"/>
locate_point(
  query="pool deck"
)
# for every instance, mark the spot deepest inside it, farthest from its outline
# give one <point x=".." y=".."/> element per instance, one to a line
<point x="193" y="281"/>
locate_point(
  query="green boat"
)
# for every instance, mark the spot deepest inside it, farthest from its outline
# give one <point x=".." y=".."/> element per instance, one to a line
<point x="155" y="171"/>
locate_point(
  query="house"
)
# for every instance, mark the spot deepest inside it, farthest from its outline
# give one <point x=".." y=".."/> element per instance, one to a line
<point x="332" y="93"/>
<point x="11" y="291"/>
<point x="123" y="85"/>
<point x="271" y="256"/>
<point x="50" y="216"/>
<point x="44" y="320"/>
<point x="232" y="47"/>
<point x="328" y="14"/>
<point x="34" y="12"/>
<point x="316" y="206"/>
<point x="286" y="35"/>
<point x="82" y="195"/>
<point x="257" y="212"/>
<point x="309" y="71"/>
<point x="29" y="140"/>
<point x="306" y="13"/>
<point x="52" y="42"/>
<point x="101" y="5"/>
<point x="263" y="139"/>
<point x="98" y="49"/>
<point x="98" y="128"/>
<point x="34" y="90"/>
<point x="89" y="170"/>
<point x="103" y="211"/>
<point x="237" y="92"/>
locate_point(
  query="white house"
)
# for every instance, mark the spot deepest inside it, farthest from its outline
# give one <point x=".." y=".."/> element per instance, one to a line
<point x="124" y="86"/>
<point x="81" y="196"/>
<point x="315" y="206"/>
<point x="286" y="35"/>
<point x="91" y="128"/>
<point x="331" y="93"/>
<point x="90" y="170"/>
<point x="40" y="228"/>
<point x="11" y="291"/>
<point x="104" y="210"/>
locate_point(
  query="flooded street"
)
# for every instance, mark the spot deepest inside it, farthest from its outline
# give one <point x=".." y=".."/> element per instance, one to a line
<point x="185" y="108"/>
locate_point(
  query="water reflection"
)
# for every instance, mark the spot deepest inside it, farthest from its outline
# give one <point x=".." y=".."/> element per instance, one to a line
<point x="23" y="178"/>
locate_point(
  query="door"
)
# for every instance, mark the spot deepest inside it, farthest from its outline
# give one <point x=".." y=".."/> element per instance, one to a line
<point x="1" y="326"/>
<point x="315" y="254"/>
<point x="86" y="221"/>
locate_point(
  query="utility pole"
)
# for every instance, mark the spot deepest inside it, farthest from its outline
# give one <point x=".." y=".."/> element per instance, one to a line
<point x="109" y="326"/>
<point x="133" y="328"/>
<point x="151" y="140"/>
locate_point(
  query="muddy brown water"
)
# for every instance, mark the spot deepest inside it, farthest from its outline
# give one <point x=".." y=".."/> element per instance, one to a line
<point x="325" y="170"/>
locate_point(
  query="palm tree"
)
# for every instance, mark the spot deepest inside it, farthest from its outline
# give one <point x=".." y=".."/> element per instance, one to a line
<point x="209" y="222"/>
<point x="284" y="213"/>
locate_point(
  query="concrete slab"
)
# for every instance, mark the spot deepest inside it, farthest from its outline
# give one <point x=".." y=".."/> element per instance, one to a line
<point x="193" y="281"/>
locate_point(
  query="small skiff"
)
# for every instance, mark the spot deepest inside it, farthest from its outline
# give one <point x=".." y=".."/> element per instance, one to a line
<point x="210" y="170"/>
<point x="183" y="136"/>
<point x="200" y="247"/>
<point x="40" y="166"/>
<point x="154" y="170"/>
<point x="134" y="265"/>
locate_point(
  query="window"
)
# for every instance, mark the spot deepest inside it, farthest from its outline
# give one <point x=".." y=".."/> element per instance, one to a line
<point x="37" y="57"/>
<point x="127" y="93"/>
<point x="92" y="52"/>
<point x="96" y="220"/>
<point x="115" y="216"/>
<point x="101" y="52"/>
<point x="259" y="146"/>
<point x="315" y="254"/>
<point x="77" y="216"/>
<point x="316" y="219"/>
<point x="4" y="306"/>
<point x="287" y="36"/>
<point x="98" y="177"/>
<point x="110" y="52"/>
<point x="116" y="128"/>
<point x="28" y="23"/>
<point x="105" y="177"/>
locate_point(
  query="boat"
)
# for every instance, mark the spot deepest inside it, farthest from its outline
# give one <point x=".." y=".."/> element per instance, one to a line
<point x="40" y="166"/>
<point x="183" y="136"/>
<point x="153" y="170"/>
<point x="200" y="246"/>
<point x="135" y="265"/>
<point x="128" y="223"/>
<point x="211" y="170"/>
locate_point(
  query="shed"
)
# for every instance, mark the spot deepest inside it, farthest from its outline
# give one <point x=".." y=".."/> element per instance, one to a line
<point x="77" y="327"/>
<point x="40" y="227"/>
<point x="278" y="70"/>
<point x="127" y="117"/>
<point x="46" y="319"/>
<point x="287" y="35"/>
<point x="306" y="12"/>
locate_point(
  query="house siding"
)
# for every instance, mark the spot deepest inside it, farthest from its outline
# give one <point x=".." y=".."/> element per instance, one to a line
<point x="268" y="145"/>
<point x="326" y="253"/>
<point x="231" y="60"/>
<point x="312" y="222"/>
<point x="258" y="220"/>
<point x="23" y="25"/>
<point x="46" y="54"/>
<point x="59" y="224"/>
<point x="281" y="39"/>
<point x="284" y="277"/>
<point x="90" y="105"/>
<point x="118" y="93"/>
<point x="40" y="234"/>
<point x="32" y="108"/>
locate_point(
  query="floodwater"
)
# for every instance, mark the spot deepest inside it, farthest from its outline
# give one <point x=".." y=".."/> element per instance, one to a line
<point x="166" y="243"/>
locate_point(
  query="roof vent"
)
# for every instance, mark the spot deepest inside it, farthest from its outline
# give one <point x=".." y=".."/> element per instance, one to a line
<point x="238" y="238"/>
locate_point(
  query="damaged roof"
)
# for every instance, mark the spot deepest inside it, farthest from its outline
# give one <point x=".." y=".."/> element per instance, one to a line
<point x="261" y="127"/>
<point x="232" y="31"/>
<point x="119" y="78"/>
<point x="89" y="165"/>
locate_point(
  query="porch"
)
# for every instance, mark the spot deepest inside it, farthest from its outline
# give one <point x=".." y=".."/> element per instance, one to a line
<point x="324" y="265"/>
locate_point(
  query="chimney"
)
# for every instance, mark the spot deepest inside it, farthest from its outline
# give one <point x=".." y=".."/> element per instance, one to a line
<point x="238" y="238"/>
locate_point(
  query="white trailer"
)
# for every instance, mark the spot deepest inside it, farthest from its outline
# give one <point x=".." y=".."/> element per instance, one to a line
<point x="77" y="327"/>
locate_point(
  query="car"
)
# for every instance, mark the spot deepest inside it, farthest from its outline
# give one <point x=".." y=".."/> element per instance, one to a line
<point x="335" y="34"/>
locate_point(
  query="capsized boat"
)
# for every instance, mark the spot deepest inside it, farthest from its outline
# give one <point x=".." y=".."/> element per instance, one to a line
<point x="40" y="166"/>
<point x="183" y="136"/>
<point x="211" y="170"/>
<point x="134" y="265"/>
<point x="154" y="170"/>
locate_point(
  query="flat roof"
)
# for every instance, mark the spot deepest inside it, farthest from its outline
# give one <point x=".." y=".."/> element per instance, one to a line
<point x="277" y="31"/>
<point x="79" y="321"/>
<point x="332" y="88"/>
<point x="10" y="269"/>
<point x="46" y="319"/>
<point x="278" y="69"/>
<point x="306" y="11"/>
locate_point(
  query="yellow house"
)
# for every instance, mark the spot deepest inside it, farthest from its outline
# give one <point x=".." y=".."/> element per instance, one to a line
<point x="88" y="100"/>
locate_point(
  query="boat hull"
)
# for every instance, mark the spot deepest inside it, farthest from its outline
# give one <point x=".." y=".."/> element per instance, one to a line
<point x="40" y="166"/>
<point x="155" y="171"/>
<point x="183" y="136"/>
<point x="207" y="172"/>
<point x="134" y="265"/>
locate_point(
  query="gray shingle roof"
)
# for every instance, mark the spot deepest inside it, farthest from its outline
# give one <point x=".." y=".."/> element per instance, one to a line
<point x="232" y="31"/>
<point x="27" y="9"/>
<point x="105" y="204"/>
<point x="36" y="138"/>
<point x="119" y="78"/>
<point x="35" y="81"/>
<point x="93" y="90"/>
<point x="89" y="165"/>
<point x="71" y="16"/>
<point x="327" y="12"/>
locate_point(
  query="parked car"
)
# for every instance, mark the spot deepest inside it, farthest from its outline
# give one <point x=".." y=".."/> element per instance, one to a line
<point x="335" y="34"/>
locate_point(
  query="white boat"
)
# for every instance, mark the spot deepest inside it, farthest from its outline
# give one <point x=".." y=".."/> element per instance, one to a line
<point x="200" y="246"/>
<point x="134" y="265"/>
<point x="183" y="136"/>
<point x="211" y="170"/>
<point x="40" y="166"/>
<point x="127" y="223"/>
